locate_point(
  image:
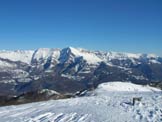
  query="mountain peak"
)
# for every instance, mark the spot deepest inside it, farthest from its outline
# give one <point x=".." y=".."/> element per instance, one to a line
<point x="88" y="56"/>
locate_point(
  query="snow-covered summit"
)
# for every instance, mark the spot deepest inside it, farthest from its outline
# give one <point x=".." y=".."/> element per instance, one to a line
<point x="125" y="87"/>
<point x="90" y="57"/>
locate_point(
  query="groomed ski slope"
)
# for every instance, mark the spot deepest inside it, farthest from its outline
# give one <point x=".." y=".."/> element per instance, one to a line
<point x="111" y="102"/>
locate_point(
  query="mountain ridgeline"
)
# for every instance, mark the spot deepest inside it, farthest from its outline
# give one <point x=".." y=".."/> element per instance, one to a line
<point x="69" y="70"/>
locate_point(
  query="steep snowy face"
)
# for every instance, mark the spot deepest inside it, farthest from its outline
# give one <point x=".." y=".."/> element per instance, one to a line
<point x="117" y="55"/>
<point x="23" y="56"/>
<point x="42" y="53"/>
<point x="72" y="53"/>
<point x="45" y="53"/>
<point x="45" y="58"/>
<point x="66" y="55"/>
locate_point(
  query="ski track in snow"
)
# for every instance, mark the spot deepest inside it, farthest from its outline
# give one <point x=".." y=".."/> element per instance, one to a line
<point x="114" y="107"/>
<point x="102" y="106"/>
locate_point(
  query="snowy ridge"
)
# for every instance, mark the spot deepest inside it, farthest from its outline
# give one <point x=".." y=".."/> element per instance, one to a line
<point x="109" y="56"/>
<point x="88" y="56"/>
<point x="92" y="57"/>
<point x="19" y="55"/>
<point x="118" y="55"/>
<point x="42" y="53"/>
<point x="125" y="87"/>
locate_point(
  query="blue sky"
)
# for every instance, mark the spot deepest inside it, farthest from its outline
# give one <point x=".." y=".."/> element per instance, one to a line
<point x="117" y="25"/>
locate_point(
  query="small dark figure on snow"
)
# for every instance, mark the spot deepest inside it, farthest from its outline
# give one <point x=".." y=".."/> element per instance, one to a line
<point x="136" y="99"/>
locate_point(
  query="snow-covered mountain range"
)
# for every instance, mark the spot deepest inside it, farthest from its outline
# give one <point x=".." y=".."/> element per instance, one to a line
<point x="71" y="69"/>
<point x="91" y="57"/>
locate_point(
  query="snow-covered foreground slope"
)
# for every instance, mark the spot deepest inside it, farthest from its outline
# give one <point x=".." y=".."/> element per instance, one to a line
<point x="102" y="105"/>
